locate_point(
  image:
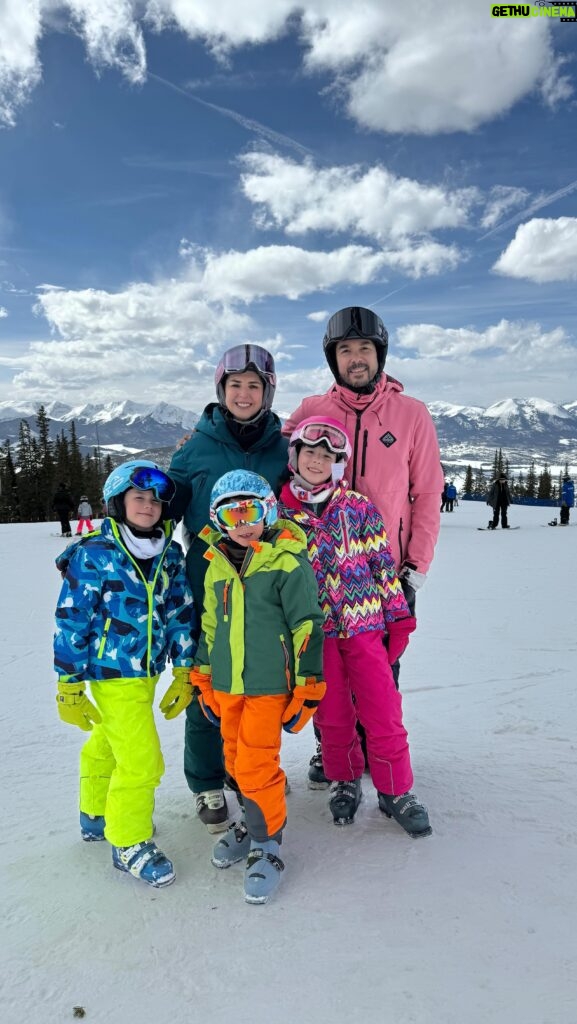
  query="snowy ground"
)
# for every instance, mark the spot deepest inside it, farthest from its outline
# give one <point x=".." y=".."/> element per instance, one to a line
<point x="475" y="924"/>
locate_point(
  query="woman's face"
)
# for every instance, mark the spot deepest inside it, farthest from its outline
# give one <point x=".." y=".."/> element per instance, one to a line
<point x="243" y="394"/>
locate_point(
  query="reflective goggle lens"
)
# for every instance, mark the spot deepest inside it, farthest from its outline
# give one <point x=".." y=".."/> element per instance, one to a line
<point x="148" y="479"/>
<point x="240" y="512"/>
<point x="237" y="360"/>
<point x="313" y="433"/>
<point x="356" y="320"/>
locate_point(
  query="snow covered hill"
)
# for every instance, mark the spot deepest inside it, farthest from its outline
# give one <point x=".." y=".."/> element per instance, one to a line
<point x="474" y="925"/>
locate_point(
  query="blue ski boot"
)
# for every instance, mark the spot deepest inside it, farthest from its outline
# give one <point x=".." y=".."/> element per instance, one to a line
<point x="92" y="827"/>
<point x="233" y="846"/>
<point x="344" y="801"/>
<point x="145" y="861"/>
<point x="408" y="812"/>
<point x="263" y="871"/>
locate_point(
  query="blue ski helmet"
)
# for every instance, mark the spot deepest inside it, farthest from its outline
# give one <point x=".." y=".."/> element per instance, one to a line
<point x="241" y="483"/>
<point x="141" y="474"/>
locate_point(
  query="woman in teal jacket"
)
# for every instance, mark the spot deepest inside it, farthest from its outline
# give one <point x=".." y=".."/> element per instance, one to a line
<point x="239" y="431"/>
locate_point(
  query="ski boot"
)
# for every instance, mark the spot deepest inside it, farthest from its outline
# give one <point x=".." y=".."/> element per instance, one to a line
<point x="145" y="861"/>
<point x="408" y="812"/>
<point x="263" y="871"/>
<point x="92" y="827"/>
<point x="344" y="802"/>
<point x="233" y="846"/>
<point x="212" y="809"/>
<point x="316" y="776"/>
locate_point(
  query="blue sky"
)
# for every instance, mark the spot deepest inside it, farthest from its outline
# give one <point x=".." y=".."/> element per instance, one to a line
<point x="179" y="176"/>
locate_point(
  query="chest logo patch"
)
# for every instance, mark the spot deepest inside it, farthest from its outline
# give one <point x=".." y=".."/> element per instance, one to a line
<point x="388" y="439"/>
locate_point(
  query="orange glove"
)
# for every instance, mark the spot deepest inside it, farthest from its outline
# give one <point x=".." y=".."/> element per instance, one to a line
<point x="305" y="701"/>
<point x="201" y="683"/>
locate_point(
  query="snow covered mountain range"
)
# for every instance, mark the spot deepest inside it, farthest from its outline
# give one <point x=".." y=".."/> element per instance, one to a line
<point x="524" y="428"/>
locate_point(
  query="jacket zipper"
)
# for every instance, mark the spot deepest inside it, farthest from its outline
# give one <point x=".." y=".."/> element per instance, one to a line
<point x="400" y="541"/>
<point x="225" y="601"/>
<point x="286" y="662"/>
<point x="355" y="448"/>
<point x="345" y="530"/>
<point x="364" y="457"/>
<point x="107" y="625"/>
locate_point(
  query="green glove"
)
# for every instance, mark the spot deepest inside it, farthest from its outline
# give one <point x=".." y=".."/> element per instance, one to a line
<point x="74" y="707"/>
<point x="179" y="693"/>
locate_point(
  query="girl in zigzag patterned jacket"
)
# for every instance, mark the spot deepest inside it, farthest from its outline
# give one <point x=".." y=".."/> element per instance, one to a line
<point x="365" y="608"/>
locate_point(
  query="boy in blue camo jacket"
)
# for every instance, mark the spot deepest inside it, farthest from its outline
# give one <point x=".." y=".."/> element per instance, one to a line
<point x="124" y="608"/>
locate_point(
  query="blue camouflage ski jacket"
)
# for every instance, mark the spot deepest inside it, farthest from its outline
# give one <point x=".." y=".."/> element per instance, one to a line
<point x="112" y="623"/>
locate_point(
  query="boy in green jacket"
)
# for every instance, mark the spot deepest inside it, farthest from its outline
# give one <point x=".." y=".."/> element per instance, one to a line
<point x="259" y="662"/>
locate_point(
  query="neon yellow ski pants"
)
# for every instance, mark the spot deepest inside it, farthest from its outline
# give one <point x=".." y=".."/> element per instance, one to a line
<point x="121" y="763"/>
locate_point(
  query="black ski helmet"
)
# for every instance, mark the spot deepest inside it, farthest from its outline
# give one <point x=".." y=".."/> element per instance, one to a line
<point x="355" y="322"/>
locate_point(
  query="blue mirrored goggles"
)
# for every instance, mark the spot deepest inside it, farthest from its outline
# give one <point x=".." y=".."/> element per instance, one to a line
<point x="147" y="479"/>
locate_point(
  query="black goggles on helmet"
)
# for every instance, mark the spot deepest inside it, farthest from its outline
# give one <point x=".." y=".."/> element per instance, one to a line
<point x="354" y="321"/>
<point x="243" y="357"/>
<point x="148" y="479"/>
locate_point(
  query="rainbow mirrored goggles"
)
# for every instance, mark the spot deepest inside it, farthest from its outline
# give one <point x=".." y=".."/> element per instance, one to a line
<point x="247" y="512"/>
<point x="335" y="439"/>
<point x="148" y="479"/>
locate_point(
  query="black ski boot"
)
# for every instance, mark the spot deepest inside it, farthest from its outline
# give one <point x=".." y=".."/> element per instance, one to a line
<point x="316" y="776"/>
<point x="345" y="799"/>
<point x="410" y="814"/>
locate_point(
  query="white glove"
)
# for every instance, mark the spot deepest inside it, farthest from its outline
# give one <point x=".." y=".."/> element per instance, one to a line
<point x="414" y="579"/>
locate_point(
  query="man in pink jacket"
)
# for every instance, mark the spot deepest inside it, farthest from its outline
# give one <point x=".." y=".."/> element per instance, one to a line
<point x="396" y="461"/>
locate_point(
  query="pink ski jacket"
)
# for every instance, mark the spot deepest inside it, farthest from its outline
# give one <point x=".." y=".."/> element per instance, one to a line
<point x="396" y="461"/>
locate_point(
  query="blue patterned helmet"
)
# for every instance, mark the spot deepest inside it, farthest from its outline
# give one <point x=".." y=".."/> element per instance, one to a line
<point x="241" y="483"/>
<point x="141" y="474"/>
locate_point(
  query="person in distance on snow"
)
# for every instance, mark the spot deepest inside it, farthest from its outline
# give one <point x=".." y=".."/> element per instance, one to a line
<point x="63" y="505"/>
<point x="363" y="601"/>
<point x="567" y="500"/>
<point x="124" y="608"/>
<point x="84" y="516"/>
<point x="499" y="498"/>
<point x="259" y="662"/>
<point x="238" y="431"/>
<point x="396" y="462"/>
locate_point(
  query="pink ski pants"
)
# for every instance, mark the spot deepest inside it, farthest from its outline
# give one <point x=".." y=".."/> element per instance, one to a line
<point x="359" y="666"/>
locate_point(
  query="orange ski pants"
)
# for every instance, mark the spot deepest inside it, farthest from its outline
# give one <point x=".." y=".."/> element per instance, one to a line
<point x="251" y="729"/>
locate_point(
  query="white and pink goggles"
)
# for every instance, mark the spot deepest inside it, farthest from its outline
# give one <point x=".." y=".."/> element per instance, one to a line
<point x="327" y="431"/>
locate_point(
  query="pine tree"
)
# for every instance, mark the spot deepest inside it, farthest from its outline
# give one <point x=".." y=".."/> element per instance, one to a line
<point x="544" y="484"/>
<point x="9" y="503"/>
<point x="531" y="483"/>
<point x="76" y="468"/>
<point x="468" y="485"/>
<point x="46" y="462"/>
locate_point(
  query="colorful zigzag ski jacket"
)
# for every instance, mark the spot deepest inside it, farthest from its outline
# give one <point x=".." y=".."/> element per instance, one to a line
<point x="111" y="623"/>
<point x="359" y="589"/>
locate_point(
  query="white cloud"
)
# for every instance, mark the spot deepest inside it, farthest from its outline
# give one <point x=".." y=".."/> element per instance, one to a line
<point x="500" y="200"/>
<point x="507" y="338"/>
<point x="542" y="250"/>
<point x="370" y="202"/>
<point x="19" y="67"/>
<point x="450" y="68"/>
<point x="3" y="312"/>
<point x="319" y="317"/>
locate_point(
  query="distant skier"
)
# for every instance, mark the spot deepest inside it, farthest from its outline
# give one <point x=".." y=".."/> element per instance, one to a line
<point x="63" y="505"/>
<point x="84" y="516"/>
<point x="499" y="498"/>
<point x="451" y="494"/>
<point x="567" y="500"/>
